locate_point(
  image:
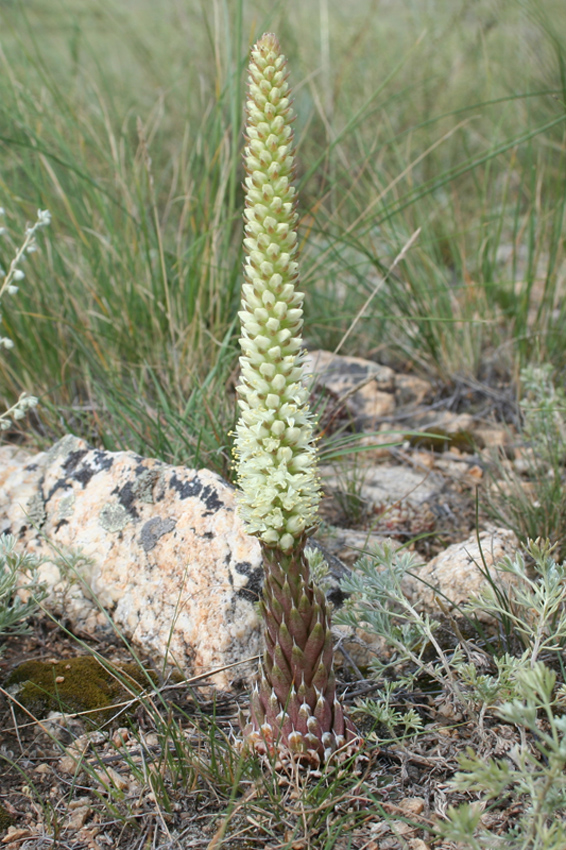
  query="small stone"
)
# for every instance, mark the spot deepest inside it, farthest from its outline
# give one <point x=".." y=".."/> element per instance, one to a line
<point x="424" y="459"/>
<point x="68" y="764"/>
<point x="43" y="769"/>
<point x="121" y="737"/>
<point x="456" y="574"/>
<point x="384" y="484"/>
<point x="412" y="805"/>
<point x="400" y="827"/>
<point x="493" y="437"/>
<point x="365" y="388"/>
<point x="109" y="778"/>
<point x="389" y="844"/>
<point x="79" y="817"/>
<point x="79" y="803"/>
<point x="151" y="739"/>
<point x="378" y="444"/>
<point x="15" y="834"/>
<point x="409" y="389"/>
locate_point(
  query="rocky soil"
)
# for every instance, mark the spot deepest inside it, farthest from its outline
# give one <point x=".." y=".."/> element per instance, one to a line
<point x="148" y="559"/>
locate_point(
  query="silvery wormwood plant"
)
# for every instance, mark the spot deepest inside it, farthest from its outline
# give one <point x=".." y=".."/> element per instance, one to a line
<point x="530" y="776"/>
<point x="13" y="611"/>
<point x="8" y="286"/>
<point x="294" y="708"/>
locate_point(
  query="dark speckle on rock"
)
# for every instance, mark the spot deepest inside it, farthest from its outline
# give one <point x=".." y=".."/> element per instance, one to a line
<point x="60" y="524"/>
<point x="210" y="498"/>
<point x="196" y="489"/>
<point x="102" y="460"/>
<point x="357" y="370"/>
<point x="251" y="592"/>
<point x="153" y="529"/>
<point x="186" y="489"/>
<point x="73" y="458"/>
<point x="127" y="497"/>
<point x="98" y="462"/>
<point x="84" y="474"/>
<point x="60" y="484"/>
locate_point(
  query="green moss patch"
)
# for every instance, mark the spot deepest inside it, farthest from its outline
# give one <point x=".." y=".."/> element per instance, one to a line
<point x="439" y="440"/>
<point x="75" y="685"/>
<point x="6" y="819"/>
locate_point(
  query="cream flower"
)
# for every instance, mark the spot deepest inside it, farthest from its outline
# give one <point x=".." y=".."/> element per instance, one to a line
<point x="274" y="444"/>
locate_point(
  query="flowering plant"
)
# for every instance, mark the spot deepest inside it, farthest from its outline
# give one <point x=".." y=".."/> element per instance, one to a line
<point x="295" y="706"/>
<point x="8" y="286"/>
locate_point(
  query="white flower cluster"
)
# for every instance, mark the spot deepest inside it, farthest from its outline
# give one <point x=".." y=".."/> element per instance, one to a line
<point x="274" y="446"/>
<point x="8" y="287"/>
<point x="17" y="411"/>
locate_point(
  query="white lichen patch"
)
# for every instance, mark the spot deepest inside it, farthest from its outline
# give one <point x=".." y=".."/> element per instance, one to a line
<point x="66" y="506"/>
<point x="114" y="517"/>
<point x="35" y="510"/>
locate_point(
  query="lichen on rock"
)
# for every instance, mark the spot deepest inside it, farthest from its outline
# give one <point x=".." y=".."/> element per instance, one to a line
<point x="113" y="517"/>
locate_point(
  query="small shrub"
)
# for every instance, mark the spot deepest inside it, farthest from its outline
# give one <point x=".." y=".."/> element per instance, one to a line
<point x="534" y="505"/>
<point x="13" y="611"/>
<point x="514" y="680"/>
<point x="534" y="773"/>
<point x="378" y="604"/>
<point x="531" y="608"/>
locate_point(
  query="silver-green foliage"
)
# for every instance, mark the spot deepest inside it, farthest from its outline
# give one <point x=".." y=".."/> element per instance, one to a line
<point x="401" y="724"/>
<point x="544" y="408"/>
<point x="534" y="773"/>
<point x="378" y="604"/>
<point x="525" y="596"/>
<point x="13" y="611"/>
<point x="535" y="506"/>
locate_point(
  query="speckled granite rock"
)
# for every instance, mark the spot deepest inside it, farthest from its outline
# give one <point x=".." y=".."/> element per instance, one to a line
<point x="165" y="553"/>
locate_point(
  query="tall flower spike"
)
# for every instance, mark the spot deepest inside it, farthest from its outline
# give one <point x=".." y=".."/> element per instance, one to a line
<point x="295" y="706"/>
<point x="274" y="436"/>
